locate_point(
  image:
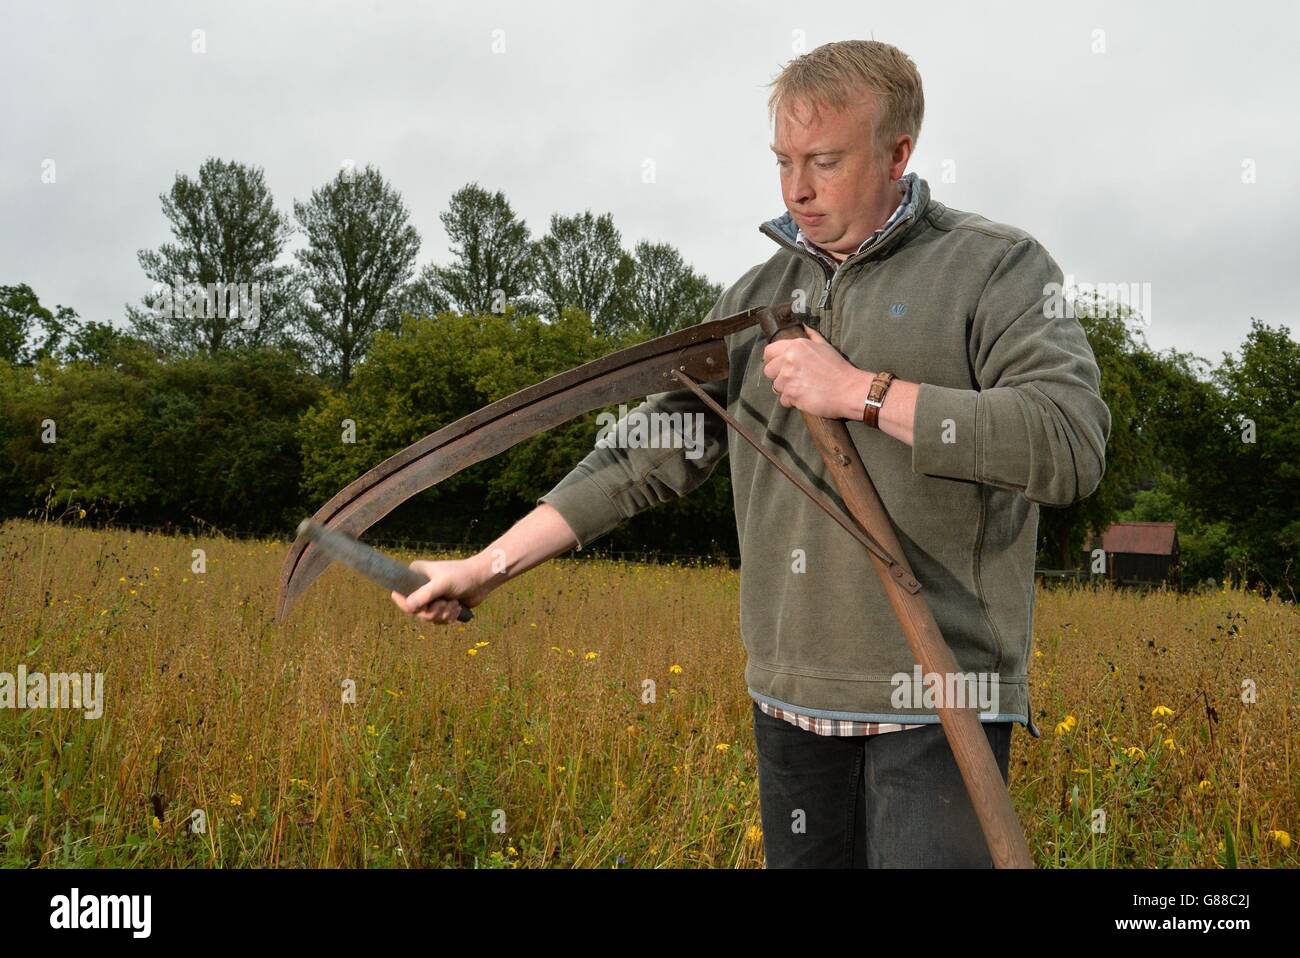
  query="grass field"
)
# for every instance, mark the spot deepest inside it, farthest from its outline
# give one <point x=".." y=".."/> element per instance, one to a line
<point x="522" y="739"/>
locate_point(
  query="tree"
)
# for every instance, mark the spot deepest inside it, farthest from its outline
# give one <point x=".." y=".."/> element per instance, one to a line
<point x="581" y="263"/>
<point x="101" y="344"/>
<point x="29" y="331"/>
<point x="218" y="286"/>
<point x="423" y="297"/>
<point x="361" y="251"/>
<point x="160" y="441"/>
<point x="666" y="294"/>
<point x="1247" y="466"/>
<point x="1127" y="370"/>
<point x="493" y="256"/>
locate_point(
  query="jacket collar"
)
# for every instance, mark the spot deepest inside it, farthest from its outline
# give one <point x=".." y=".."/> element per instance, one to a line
<point x="787" y="229"/>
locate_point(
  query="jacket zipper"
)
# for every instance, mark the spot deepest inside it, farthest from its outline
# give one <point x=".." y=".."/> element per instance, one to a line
<point x="808" y="255"/>
<point x="825" y="302"/>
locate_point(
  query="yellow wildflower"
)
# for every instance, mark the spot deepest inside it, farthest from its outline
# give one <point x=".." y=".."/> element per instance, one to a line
<point x="1204" y="786"/>
<point x="722" y="746"/>
<point x="1281" y="837"/>
<point x="1162" y="711"/>
<point x="675" y="669"/>
<point x="1066" y="726"/>
<point x="755" y="834"/>
<point x="236" y="798"/>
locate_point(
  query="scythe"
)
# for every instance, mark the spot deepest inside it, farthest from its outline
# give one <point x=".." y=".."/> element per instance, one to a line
<point x="684" y="359"/>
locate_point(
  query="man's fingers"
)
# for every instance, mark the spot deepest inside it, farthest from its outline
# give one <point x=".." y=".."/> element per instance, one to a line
<point x="441" y="611"/>
<point x="778" y="349"/>
<point x="423" y="595"/>
<point x="429" y="612"/>
<point x="814" y="335"/>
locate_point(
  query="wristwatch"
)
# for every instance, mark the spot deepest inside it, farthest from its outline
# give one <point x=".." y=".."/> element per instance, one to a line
<point x="876" y="398"/>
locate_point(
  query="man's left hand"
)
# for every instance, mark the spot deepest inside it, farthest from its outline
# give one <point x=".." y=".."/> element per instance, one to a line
<point x="812" y="376"/>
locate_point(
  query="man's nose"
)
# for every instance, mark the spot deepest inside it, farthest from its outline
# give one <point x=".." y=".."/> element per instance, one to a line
<point x="798" y="187"/>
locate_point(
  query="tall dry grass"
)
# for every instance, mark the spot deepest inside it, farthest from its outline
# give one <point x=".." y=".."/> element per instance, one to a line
<point x="524" y="739"/>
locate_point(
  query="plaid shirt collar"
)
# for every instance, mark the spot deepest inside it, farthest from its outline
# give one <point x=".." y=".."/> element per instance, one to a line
<point x="905" y="186"/>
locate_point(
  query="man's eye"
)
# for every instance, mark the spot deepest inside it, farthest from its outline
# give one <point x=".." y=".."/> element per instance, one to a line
<point x="825" y="166"/>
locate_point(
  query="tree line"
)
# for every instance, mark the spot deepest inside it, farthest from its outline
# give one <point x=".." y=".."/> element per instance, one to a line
<point x="248" y="386"/>
<point x="225" y="280"/>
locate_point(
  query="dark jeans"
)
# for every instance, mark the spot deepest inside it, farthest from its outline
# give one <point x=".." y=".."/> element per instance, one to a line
<point x="893" y="800"/>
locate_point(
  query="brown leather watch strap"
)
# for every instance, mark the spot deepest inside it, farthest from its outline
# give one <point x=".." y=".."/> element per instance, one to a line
<point x="876" y="398"/>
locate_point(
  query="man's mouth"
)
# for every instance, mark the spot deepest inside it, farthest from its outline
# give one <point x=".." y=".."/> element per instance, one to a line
<point x="811" y="218"/>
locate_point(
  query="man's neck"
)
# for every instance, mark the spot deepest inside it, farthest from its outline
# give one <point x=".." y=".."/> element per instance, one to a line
<point x="901" y="191"/>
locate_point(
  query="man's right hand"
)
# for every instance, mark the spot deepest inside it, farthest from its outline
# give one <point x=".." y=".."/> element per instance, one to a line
<point x="452" y="584"/>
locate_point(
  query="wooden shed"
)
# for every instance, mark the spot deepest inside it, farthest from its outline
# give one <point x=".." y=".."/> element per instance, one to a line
<point x="1141" y="552"/>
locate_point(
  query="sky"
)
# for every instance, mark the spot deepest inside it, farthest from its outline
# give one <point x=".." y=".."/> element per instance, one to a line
<point x="1151" y="143"/>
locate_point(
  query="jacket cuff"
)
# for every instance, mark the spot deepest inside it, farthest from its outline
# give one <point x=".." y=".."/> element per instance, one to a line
<point x="585" y="506"/>
<point x="944" y="432"/>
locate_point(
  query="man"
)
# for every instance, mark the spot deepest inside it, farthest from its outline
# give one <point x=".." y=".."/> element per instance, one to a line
<point x="991" y="408"/>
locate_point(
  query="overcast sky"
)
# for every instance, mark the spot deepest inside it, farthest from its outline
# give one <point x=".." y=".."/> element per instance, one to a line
<point x="1127" y="164"/>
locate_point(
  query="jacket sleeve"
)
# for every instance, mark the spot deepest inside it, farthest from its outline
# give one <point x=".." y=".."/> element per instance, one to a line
<point x="1037" y="423"/>
<point x="615" y="482"/>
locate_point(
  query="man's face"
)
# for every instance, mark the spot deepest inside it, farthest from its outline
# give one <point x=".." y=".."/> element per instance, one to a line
<point x="835" y="184"/>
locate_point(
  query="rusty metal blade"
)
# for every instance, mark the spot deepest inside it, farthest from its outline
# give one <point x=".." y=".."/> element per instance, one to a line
<point x="631" y="373"/>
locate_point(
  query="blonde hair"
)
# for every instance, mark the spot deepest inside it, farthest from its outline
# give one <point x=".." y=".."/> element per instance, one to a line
<point x="837" y="75"/>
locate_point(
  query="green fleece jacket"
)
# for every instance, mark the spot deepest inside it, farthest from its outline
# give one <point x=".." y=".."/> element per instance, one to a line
<point x="1009" y="417"/>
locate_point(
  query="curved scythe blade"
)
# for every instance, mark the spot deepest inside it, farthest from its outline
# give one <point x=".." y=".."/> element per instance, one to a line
<point x="630" y="373"/>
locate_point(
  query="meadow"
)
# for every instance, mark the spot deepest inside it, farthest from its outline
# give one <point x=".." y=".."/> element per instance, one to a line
<point x="526" y="739"/>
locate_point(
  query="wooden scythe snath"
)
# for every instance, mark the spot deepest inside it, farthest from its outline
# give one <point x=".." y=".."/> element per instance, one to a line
<point x="689" y="357"/>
